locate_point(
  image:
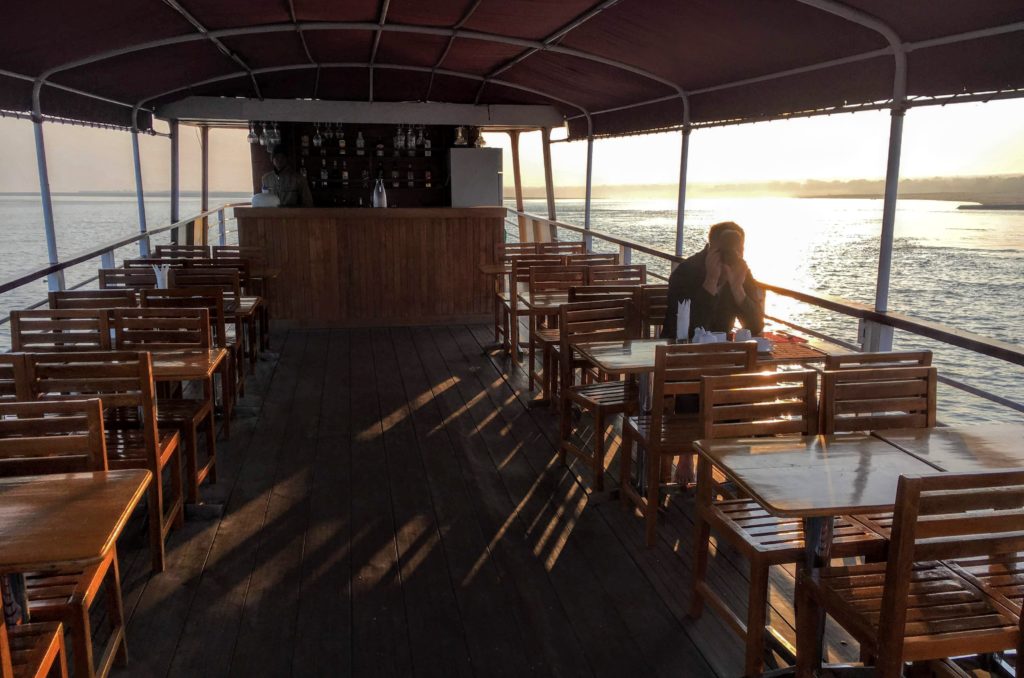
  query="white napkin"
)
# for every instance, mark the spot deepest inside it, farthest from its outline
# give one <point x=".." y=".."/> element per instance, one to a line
<point x="683" y="320"/>
<point x="161" y="275"/>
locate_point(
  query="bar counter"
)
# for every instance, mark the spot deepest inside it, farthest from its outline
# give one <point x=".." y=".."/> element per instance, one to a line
<point x="349" y="267"/>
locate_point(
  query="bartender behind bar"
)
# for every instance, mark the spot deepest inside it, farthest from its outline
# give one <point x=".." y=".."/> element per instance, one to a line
<point x="289" y="186"/>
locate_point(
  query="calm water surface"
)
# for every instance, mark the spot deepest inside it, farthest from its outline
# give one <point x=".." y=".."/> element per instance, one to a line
<point x="964" y="268"/>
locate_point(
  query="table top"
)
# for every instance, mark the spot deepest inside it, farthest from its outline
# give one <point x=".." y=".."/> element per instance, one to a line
<point x="815" y="476"/>
<point x="66" y="519"/>
<point x="186" y="364"/>
<point x="977" y="447"/>
<point x="636" y="356"/>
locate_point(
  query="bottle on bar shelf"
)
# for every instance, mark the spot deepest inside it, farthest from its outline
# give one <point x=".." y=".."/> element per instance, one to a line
<point x="409" y="177"/>
<point x="394" y="178"/>
<point x="426" y="179"/>
<point x="342" y="148"/>
<point x="344" y="173"/>
<point x="426" y="145"/>
<point x="360" y="143"/>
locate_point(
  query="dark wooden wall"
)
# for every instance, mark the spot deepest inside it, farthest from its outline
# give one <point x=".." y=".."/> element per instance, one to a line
<point x="352" y="267"/>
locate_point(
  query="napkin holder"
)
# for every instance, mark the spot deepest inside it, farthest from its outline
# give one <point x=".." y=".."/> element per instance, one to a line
<point x="162" y="272"/>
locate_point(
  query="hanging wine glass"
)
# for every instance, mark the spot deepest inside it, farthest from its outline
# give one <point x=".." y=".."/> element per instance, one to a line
<point x="263" y="136"/>
<point x="317" y="139"/>
<point x="419" y="135"/>
<point x="329" y="131"/>
<point x="275" y="134"/>
<point x="252" y="138"/>
<point x="399" y="140"/>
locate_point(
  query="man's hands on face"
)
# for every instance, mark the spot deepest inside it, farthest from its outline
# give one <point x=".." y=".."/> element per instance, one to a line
<point x="735" y="276"/>
<point x="713" y="276"/>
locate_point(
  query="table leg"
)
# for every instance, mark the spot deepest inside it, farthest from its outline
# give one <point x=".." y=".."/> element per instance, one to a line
<point x="817" y="553"/>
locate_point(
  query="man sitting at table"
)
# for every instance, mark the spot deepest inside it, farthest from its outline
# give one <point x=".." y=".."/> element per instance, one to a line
<point x="718" y="284"/>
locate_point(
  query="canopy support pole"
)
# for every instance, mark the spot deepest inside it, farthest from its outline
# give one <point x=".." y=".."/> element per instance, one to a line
<point x="204" y="204"/>
<point x="175" y="179"/>
<point x="549" y="182"/>
<point x="587" y="238"/>
<point x="517" y="178"/>
<point x="54" y="281"/>
<point x="139" y="194"/>
<point x="684" y="154"/>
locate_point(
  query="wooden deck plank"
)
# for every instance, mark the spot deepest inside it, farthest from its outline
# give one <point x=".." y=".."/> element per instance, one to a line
<point x="495" y="641"/>
<point x="381" y="634"/>
<point x="323" y="643"/>
<point x="435" y="627"/>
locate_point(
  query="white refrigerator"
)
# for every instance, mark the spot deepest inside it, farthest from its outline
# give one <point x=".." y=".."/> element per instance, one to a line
<point x="476" y="177"/>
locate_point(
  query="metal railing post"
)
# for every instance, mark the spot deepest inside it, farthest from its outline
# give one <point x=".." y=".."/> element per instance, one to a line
<point x="222" y="227"/>
<point x="107" y="259"/>
<point x="587" y="240"/>
<point x="139" y="193"/>
<point x="549" y="182"/>
<point x="54" y="281"/>
<point x="684" y="154"/>
<point x="175" y="179"/>
<point x="625" y="255"/>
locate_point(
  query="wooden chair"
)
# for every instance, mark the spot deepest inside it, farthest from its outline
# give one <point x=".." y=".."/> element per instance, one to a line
<point x="607" y="320"/>
<point x="562" y="247"/>
<point x="88" y="299"/>
<point x="176" y="250"/>
<point x="39" y="438"/>
<point x="127" y="278"/>
<point x="741" y="406"/>
<point x="592" y="259"/>
<point x="856" y="361"/>
<point x="663" y="434"/>
<point x="556" y="280"/>
<point x="32" y="651"/>
<point x="653" y="306"/>
<point x="60" y="330"/>
<point x="878" y="398"/>
<point x="604" y="293"/>
<point x="504" y="250"/>
<point x="147" y="263"/>
<point x="223" y="335"/>
<point x="154" y="329"/>
<point x="12" y="378"/>
<point x="508" y="300"/>
<point x="915" y="607"/>
<point x="242" y="309"/>
<point x="632" y="274"/>
<point x="122" y="379"/>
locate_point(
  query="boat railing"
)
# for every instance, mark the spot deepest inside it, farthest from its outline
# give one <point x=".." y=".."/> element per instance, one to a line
<point x="211" y="226"/>
<point x="630" y="251"/>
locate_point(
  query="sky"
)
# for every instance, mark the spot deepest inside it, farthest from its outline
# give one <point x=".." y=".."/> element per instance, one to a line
<point x="968" y="139"/>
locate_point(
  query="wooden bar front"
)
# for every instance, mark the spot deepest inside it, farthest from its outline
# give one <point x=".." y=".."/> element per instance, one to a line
<point x="371" y="267"/>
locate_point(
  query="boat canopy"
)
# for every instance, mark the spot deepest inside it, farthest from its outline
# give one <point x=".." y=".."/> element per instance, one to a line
<point x="610" y="67"/>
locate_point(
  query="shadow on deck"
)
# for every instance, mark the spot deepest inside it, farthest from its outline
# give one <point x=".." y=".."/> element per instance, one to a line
<point x="393" y="507"/>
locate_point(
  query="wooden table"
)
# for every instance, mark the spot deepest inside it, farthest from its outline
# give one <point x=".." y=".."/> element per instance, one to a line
<point x="64" y="520"/>
<point x="815" y="478"/>
<point x="187" y="364"/>
<point x="978" y="447"/>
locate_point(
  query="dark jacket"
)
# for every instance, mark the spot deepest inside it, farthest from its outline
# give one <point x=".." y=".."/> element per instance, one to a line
<point x="715" y="313"/>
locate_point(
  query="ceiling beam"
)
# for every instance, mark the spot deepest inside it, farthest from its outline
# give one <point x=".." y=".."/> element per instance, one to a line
<point x="451" y="41"/>
<point x="382" y="19"/>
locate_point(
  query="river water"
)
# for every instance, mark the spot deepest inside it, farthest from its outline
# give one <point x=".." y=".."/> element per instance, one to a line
<point x="963" y="268"/>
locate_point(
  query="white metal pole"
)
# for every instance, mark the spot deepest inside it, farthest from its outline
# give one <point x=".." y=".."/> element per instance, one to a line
<point x="54" y="281"/>
<point x="204" y="142"/>
<point x="175" y="178"/>
<point x="139" y="194"/>
<point x="892" y="180"/>
<point x="684" y="154"/>
<point x="587" y="239"/>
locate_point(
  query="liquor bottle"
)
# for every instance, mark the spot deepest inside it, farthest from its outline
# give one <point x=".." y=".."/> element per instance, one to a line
<point x="380" y="196"/>
<point x="426" y="146"/>
<point x="324" y="175"/>
<point x="410" y="141"/>
<point x="302" y="171"/>
<point x="409" y="177"/>
<point x="305" y="141"/>
<point x="334" y="164"/>
<point x="344" y="173"/>
<point x="380" y="150"/>
<point x="426" y="179"/>
<point x="394" y="178"/>
<point x="342" y="148"/>
<point x="360" y="143"/>
<point x="366" y="178"/>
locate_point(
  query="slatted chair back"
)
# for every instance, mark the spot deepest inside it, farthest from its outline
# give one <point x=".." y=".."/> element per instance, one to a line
<point x="60" y="330"/>
<point x="12" y="379"/>
<point x="237" y="263"/>
<point x="556" y="279"/>
<point x="227" y="279"/>
<point x="176" y="250"/>
<point x="653" y="306"/>
<point x="585" y="321"/>
<point x="631" y="274"/>
<point x="604" y="293"/>
<point x="147" y="262"/>
<point x="857" y="361"/>
<point x="250" y="252"/>
<point x="51" y="437"/>
<point x="146" y="329"/>
<point x="562" y="247"/>
<point x="775" y="403"/>
<point x="66" y="299"/>
<point x="505" y="250"/>
<point x="127" y="278"/>
<point x="592" y="259"/>
<point x="946" y="516"/>
<point x="209" y="298"/>
<point x="879" y="398"/>
<point x="678" y="369"/>
<point x="121" y="379"/>
<point x="521" y="265"/>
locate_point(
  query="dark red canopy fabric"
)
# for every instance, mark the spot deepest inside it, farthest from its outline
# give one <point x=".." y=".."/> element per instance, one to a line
<point x="623" y="63"/>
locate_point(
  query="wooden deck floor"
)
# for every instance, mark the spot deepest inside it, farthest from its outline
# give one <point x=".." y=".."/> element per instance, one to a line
<point x="393" y="508"/>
